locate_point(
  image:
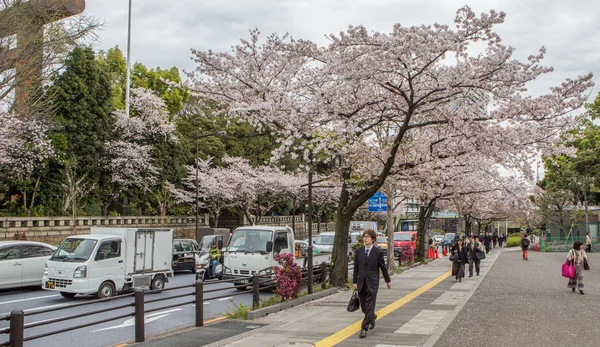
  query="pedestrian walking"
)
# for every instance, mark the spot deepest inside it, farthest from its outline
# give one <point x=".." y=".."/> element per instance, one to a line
<point x="588" y="243"/>
<point x="368" y="261"/>
<point x="473" y="249"/>
<point x="578" y="257"/>
<point x="461" y="258"/>
<point x="525" y="246"/>
<point x="487" y="240"/>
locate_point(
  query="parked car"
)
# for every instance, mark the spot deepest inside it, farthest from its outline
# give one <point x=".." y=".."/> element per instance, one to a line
<point x="449" y="239"/>
<point x="404" y="238"/>
<point x="313" y="239"/>
<point x="438" y="239"/>
<point x="382" y="242"/>
<point x="324" y="242"/>
<point x="22" y="263"/>
<point x="184" y="255"/>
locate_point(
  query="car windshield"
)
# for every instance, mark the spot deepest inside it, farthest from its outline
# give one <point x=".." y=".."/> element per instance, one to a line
<point x="250" y="241"/>
<point x="325" y="240"/>
<point x="74" y="250"/>
<point x="382" y="239"/>
<point x="402" y="237"/>
<point x="449" y="236"/>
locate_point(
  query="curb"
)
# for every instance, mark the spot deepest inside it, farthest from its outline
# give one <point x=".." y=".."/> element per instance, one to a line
<point x="261" y="312"/>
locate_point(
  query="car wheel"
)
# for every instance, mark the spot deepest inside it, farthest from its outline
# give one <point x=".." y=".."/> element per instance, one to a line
<point x="67" y="295"/>
<point x="158" y="282"/>
<point x="106" y="290"/>
<point x="241" y="288"/>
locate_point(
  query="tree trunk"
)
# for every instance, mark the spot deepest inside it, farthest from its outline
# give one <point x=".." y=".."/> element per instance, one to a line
<point x="425" y="212"/>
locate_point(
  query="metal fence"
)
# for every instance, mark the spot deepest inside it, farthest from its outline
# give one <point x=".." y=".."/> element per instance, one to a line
<point x="18" y="326"/>
<point x="563" y="244"/>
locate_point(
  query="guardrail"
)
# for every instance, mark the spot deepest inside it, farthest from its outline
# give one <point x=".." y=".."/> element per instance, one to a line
<point x="17" y="325"/>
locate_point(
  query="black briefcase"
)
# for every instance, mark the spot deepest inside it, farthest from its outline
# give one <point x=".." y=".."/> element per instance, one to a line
<point x="354" y="303"/>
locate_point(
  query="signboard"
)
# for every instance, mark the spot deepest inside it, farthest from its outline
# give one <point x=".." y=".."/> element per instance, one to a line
<point x="378" y="203"/>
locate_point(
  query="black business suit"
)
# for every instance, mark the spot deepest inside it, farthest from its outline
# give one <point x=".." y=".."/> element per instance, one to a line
<point x="366" y="277"/>
<point x="473" y="249"/>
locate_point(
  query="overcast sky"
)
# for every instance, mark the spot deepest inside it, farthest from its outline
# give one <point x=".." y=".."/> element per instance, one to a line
<point x="163" y="32"/>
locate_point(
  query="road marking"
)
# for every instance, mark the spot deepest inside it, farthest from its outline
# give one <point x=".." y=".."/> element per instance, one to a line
<point x="28" y="299"/>
<point x="227" y="298"/>
<point x="214" y="320"/>
<point x="147" y="319"/>
<point x="354" y="328"/>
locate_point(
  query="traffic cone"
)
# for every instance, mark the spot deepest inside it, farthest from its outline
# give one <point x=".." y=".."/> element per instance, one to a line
<point x="537" y="247"/>
<point x="437" y="254"/>
<point x="444" y="252"/>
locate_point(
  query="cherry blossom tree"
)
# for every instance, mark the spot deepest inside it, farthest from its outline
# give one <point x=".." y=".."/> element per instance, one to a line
<point x="323" y="100"/>
<point x="130" y="158"/>
<point x="215" y="188"/>
<point x="25" y="150"/>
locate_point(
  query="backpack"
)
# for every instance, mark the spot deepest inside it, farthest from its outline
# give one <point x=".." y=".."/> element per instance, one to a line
<point x="525" y="242"/>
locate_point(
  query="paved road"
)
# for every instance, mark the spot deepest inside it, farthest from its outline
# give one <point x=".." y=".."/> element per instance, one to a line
<point x="527" y="303"/>
<point x="120" y="330"/>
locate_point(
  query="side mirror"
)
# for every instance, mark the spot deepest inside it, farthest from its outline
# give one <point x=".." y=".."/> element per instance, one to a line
<point x="269" y="246"/>
<point x="220" y="244"/>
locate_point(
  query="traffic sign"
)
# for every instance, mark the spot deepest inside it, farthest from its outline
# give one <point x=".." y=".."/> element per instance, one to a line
<point x="378" y="202"/>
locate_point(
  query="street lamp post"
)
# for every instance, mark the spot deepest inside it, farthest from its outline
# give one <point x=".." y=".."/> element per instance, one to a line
<point x="218" y="133"/>
<point x="336" y="163"/>
<point x="310" y="246"/>
<point x="128" y="78"/>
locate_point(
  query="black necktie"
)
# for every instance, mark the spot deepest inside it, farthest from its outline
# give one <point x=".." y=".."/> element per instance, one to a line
<point x="367" y="253"/>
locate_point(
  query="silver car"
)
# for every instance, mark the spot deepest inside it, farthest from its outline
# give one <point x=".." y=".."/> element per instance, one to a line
<point x="22" y="263"/>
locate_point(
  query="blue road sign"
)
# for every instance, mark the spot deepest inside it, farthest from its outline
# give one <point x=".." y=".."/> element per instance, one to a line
<point x="378" y="202"/>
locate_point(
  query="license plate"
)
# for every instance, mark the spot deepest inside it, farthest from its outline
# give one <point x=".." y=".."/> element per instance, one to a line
<point x="244" y="281"/>
<point x="49" y="285"/>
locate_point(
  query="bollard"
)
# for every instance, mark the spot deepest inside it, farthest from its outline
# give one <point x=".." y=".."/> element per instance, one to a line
<point x="255" y="291"/>
<point x="324" y="275"/>
<point x="17" y="322"/>
<point x="199" y="303"/>
<point x="139" y="316"/>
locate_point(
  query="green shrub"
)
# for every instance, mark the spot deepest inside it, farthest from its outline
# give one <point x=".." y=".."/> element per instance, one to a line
<point x="238" y="312"/>
<point x="513" y="241"/>
<point x="546" y="248"/>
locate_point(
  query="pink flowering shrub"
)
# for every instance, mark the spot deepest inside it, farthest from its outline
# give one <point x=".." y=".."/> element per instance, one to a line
<point x="289" y="276"/>
<point x="407" y="254"/>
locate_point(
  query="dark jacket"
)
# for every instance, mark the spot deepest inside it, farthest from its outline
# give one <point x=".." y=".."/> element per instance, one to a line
<point x="463" y="256"/>
<point x="473" y="252"/>
<point x="366" y="271"/>
<point x="487" y="239"/>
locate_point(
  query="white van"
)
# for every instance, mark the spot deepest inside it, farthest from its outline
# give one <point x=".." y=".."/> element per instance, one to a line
<point x="110" y="260"/>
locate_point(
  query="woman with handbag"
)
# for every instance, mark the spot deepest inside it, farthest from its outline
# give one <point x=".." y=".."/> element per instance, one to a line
<point x="578" y="257"/>
<point x="460" y="258"/>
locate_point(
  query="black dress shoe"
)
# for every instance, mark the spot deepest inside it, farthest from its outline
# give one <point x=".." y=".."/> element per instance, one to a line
<point x="372" y="325"/>
<point x="363" y="334"/>
<point x="581" y="292"/>
<point x="573" y="290"/>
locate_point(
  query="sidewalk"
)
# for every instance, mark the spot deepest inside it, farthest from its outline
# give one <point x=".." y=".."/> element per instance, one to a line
<point x="422" y="303"/>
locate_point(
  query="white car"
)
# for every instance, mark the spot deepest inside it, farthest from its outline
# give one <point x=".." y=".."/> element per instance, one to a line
<point x="324" y="242"/>
<point x="438" y="239"/>
<point x="22" y="263"/>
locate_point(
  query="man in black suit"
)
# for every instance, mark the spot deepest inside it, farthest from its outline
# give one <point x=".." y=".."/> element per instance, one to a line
<point x="368" y="260"/>
<point x="473" y="249"/>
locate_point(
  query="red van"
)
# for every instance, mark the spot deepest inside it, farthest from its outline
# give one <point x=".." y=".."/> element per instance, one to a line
<point x="402" y="238"/>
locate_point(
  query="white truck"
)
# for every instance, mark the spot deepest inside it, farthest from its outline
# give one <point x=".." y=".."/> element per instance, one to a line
<point x="252" y="250"/>
<point x="110" y="260"/>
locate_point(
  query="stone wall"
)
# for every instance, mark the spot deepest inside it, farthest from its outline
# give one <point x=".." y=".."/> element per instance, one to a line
<point x="53" y="230"/>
